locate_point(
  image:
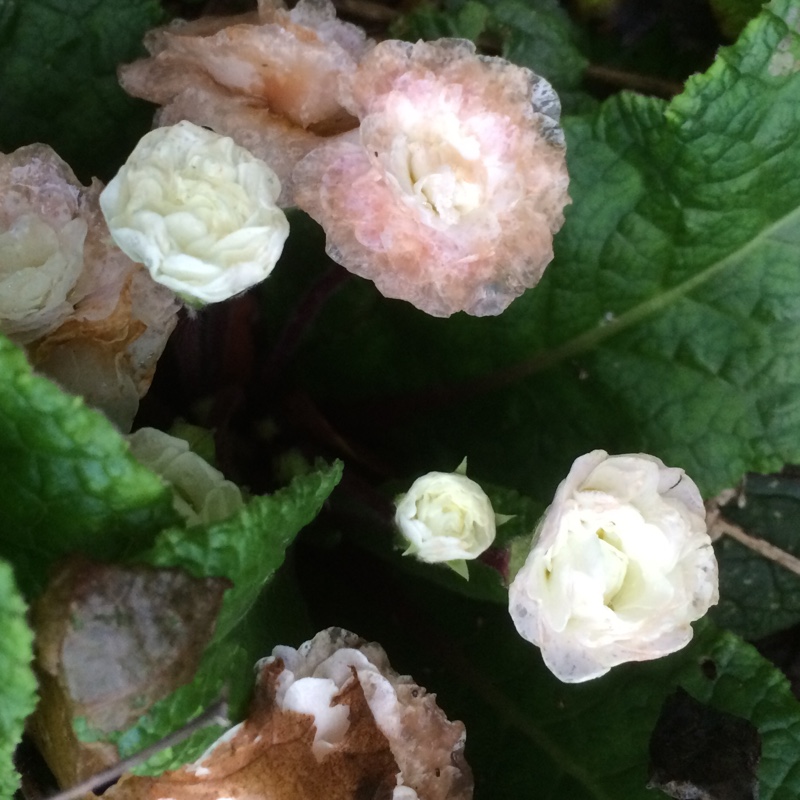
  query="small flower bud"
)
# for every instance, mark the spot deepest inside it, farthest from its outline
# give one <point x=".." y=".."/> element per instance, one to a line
<point x="446" y="517"/>
<point x="621" y="564"/>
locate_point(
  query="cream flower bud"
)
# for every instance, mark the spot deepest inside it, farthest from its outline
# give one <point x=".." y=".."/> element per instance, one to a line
<point x="445" y="517"/>
<point x="201" y="493"/>
<point x="199" y="211"/>
<point x="621" y="564"/>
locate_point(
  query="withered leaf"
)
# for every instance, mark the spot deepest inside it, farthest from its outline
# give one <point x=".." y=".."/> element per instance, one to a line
<point x="699" y="753"/>
<point x="269" y="756"/>
<point x="111" y="641"/>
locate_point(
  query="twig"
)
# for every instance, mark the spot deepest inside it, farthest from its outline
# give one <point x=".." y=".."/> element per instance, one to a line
<point x="622" y="79"/>
<point x="718" y="526"/>
<point x="215" y="714"/>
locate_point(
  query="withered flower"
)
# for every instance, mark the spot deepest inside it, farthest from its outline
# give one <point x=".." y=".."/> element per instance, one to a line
<point x="330" y="720"/>
<point x="449" y="193"/>
<point x="269" y="80"/>
<point x="88" y="316"/>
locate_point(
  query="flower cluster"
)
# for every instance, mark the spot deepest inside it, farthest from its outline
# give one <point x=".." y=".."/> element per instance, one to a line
<point x="87" y="315"/>
<point x="436" y="173"/>
<point x="621" y="564"/>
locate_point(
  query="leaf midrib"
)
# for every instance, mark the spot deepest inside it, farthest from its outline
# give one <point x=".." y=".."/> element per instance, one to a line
<point x="591" y="339"/>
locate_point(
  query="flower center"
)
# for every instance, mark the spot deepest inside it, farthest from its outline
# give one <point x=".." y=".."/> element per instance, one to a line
<point x="615" y="565"/>
<point x="436" y="160"/>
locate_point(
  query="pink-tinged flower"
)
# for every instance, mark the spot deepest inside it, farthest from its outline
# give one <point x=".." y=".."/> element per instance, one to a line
<point x="268" y="80"/>
<point x="88" y="316"/>
<point x="449" y="193"/>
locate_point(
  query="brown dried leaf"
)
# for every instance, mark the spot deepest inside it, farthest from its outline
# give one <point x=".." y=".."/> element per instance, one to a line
<point x="111" y="641"/>
<point x="269" y="756"/>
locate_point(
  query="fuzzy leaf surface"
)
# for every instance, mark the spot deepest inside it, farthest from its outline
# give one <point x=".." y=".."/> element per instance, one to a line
<point x="248" y="547"/>
<point x="70" y="484"/>
<point x="668" y="323"/>
<point x="18" y="693"/>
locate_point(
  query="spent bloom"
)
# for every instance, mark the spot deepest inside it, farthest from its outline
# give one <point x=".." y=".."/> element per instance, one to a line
<point x="330" y="720"/>
<point x="201" y="494"/>
<point x="198" y="211"/>
<point x="88" y="316"/>
<point x="621" y="564"/>
<point x="427" y="747"/>
<point x="450" y="191"/>
<point x="446" y="517"/>
<point x="269" y="80"/>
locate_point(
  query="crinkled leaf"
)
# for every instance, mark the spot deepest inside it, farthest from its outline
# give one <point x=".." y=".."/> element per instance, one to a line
<point x="248" y="547"/>
<point x="537" y="34"/>
<point x="461" y="21"/>
<point x="541" y="36"/>
<point x="668" y="322"/>
<point x="526" y="729"/>
<point x="759" y="596"/>
<point x="18" y="689"/>
<point x="58" y="78"/>
<point x="69" y="483"/>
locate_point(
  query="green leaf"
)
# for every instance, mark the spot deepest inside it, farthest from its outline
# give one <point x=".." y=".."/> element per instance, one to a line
<point x="18" y="694"/>
<point x="537" y="34"/>
<point x="668" y="322"/>
<point x="69" y="483"/>
<point x="248" y="547"/>
<point x="58" y="80"/>
<point x="758" y="596"/>
<point x="467" y="21"/>
<point x="526" y="729"/>
<point x="540" y="35"/>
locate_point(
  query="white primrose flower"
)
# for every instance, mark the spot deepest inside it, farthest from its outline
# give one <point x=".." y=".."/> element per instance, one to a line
<point x="201" y="493"/>
<point x="199" y="211"/>
<point x="446" y="518"/>
<point x="621" y="564"/>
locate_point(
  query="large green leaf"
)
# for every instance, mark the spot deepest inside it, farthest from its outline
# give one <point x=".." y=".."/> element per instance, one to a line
<point x="528" y="735"/>
<point x="69" y="483"/>
<point x="668" y="323"/>
<point x="18" y="692"/>
<point x="58" y="78"/>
